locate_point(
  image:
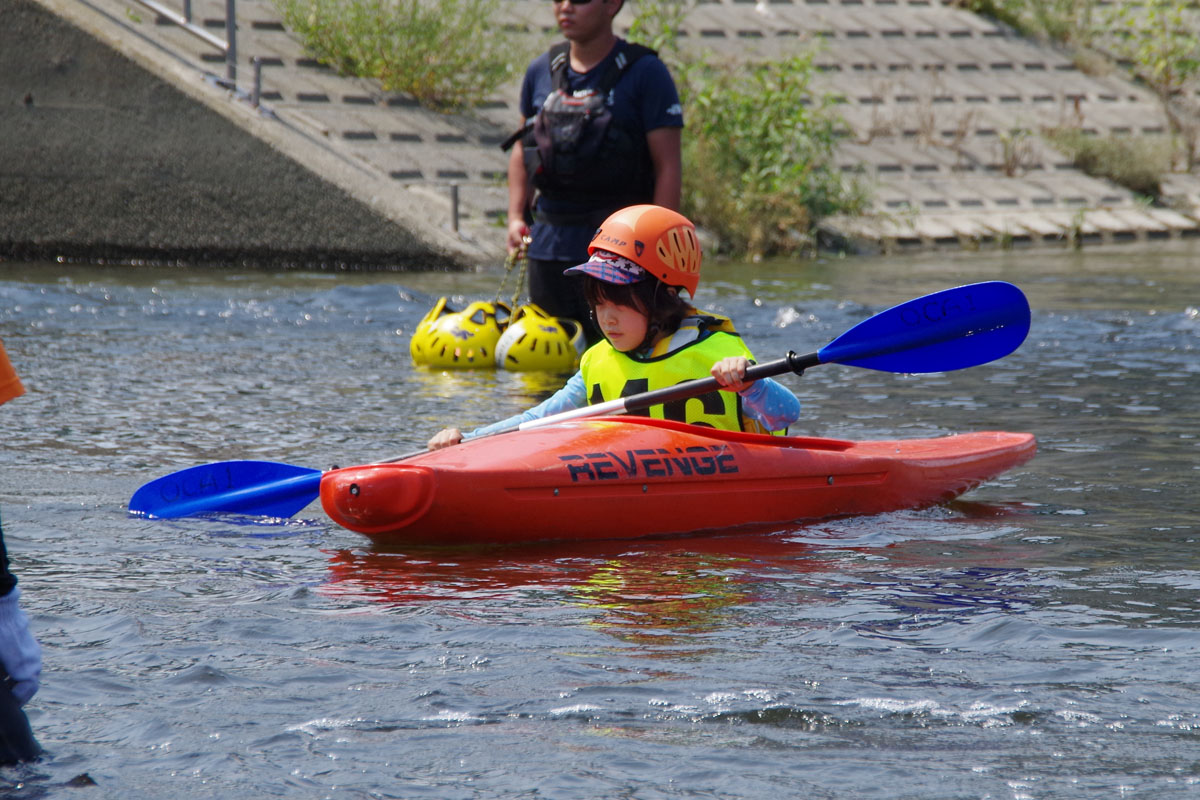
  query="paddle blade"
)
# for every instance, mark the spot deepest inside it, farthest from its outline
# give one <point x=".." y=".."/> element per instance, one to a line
<point x="952" y="329"/>
<point x="264" y="488"/>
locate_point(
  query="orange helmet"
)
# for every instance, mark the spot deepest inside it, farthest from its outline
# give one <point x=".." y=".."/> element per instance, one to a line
<point x="661" y="241"/>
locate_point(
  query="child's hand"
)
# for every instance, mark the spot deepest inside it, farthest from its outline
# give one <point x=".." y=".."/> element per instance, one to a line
<point x="730" y="373"/>
<point x="445" y="438"/>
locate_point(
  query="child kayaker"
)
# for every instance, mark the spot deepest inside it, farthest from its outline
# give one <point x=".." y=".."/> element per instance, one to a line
<point x="640" y="257"/>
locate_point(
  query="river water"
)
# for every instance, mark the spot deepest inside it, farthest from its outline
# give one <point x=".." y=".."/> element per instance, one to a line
<point x="1036" y="639"/>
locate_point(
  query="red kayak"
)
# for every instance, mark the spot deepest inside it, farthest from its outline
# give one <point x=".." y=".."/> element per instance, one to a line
<point x="630" y="477"/>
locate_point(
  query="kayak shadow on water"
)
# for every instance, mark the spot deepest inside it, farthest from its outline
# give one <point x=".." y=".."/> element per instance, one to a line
<point x="647" y="585"/>
<point x="678" y="584"/>
<point x="221" y="525"/>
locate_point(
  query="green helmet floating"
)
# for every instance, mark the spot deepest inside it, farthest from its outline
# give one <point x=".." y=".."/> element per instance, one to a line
<point x="537" y="341"/>
<point x="464" y="339"/>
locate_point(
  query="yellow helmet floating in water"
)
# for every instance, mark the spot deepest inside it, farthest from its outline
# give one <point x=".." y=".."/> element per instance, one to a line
<point x="537" y="341"/>
<point x="459" y="339"/>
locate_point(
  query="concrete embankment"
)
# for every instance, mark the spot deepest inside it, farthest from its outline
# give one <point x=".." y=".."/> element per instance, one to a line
<point x="118" y="140"/>
<point x="104" y="159"/>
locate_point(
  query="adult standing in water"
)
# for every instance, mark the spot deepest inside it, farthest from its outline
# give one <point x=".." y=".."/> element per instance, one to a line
<point x="602" y="127"/>
<point x="20" y="656"/>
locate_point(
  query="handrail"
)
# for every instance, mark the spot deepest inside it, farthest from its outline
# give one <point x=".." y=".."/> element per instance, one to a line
<point x="228" y="45"/>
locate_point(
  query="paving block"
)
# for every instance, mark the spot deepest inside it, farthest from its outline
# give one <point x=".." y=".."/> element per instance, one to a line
<point x="1039" y="225"/>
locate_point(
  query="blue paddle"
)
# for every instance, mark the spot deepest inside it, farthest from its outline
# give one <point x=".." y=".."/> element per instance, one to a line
<point x="264" y="488"/>
<point x="947" y="330"/>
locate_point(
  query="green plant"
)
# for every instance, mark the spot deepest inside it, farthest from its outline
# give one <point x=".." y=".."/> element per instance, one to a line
<point x="1163" y="46"/>
<point x="447" y="54"/>
<point x="1075" y="232"/>
<point x="1016" y="151"/>
<point x="1136" y="162"/>
<point x="759" y="155"/>
<point x="1066" y="22"/>
<point x="657" y="24"/>
<point x="758" y="147"/>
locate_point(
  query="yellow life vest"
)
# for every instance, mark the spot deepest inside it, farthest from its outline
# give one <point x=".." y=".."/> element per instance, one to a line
<point x="701" y="341"/>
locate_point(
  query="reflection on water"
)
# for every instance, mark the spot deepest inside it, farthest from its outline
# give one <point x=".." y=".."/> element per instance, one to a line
<point x="450" y="386"/>
<point x="1035" y="639"/>
<point x="658" y="587"/>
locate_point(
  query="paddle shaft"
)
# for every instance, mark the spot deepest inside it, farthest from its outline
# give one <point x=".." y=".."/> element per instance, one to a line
<point x="671" y="394"/>
<point x="640" y="402"/>
<point x="904" y="338"/>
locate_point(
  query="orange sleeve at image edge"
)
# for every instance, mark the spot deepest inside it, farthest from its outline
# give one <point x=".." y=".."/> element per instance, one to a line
<point x="10" y="384"/>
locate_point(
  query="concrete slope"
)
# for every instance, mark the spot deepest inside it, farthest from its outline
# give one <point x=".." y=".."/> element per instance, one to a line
<point x="942" y="110"/>
<point x="116" y="144"/>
